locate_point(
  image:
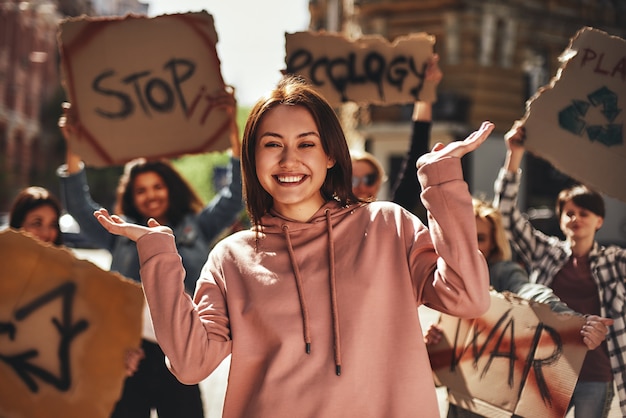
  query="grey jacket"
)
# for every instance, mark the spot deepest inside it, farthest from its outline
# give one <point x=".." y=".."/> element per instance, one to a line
<point x="510" y="276"/>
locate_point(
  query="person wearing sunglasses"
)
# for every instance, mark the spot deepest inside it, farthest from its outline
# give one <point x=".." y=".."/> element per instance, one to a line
<point x="367" y="175"/>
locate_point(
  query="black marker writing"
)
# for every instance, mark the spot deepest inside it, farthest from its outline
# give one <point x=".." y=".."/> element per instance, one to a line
<point x="342" y="72"/>
<point x="68" y="330"/>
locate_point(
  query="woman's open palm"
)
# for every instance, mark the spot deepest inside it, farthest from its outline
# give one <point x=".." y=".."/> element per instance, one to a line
<point x="458" y="148"/>
<point x="118" y="226"/>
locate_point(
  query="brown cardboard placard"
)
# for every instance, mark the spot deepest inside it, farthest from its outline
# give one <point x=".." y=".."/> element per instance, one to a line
<point x="65" y="327"/>
<point x="519" y="358"/>
<point x="366" y="70"/>
<point x="577" y="121"/>
<point x="143" y="87"/>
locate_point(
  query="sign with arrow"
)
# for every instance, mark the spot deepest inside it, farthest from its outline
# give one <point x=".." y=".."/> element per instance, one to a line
<point x="65" y="327"/>
<point x="577" y="121"/>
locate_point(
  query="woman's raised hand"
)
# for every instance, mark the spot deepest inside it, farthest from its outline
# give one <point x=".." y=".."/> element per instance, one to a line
<point x="118" y="226"/>
<point x="457" y="148"/>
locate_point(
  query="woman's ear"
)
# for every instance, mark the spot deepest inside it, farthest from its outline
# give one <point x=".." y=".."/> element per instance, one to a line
<point x="599" y="223"/>
<point x="331" y="163"/>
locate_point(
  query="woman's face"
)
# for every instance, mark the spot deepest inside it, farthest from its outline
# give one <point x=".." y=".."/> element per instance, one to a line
<point x="43" y="223"/>
<point x="151" y="196"/>
<point x="365" y="184"/>
<point x="291" y="164"/>
<point x="579" y="223"/>
<point x="484" y="231"/>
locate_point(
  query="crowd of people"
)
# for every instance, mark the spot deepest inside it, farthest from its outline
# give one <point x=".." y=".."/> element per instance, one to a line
<point x="316" y="302"/>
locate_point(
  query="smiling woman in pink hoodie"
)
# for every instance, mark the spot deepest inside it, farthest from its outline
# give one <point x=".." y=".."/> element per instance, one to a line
<point x="317" y="303"/>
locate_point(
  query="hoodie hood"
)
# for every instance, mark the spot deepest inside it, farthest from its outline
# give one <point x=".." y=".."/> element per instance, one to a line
<point x="273" y="222"/>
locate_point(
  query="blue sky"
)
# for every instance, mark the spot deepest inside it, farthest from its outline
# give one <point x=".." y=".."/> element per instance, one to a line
<point x="251" y="34"/>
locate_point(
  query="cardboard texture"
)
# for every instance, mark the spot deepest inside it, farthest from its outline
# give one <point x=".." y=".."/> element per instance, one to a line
<point x="65" y="326"/>
<point x="366" y="70"/>
<point x="519" y="358"/>
<point x="577" y="121"/>
<point x="143" y="87"/>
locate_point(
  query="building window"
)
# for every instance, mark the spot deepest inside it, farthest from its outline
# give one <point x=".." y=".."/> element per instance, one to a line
<point x="452" y="39"/>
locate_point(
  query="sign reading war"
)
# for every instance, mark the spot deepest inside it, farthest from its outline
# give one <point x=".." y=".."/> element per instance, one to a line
<point x="366" y="70"/>
<point x="143" y="87"/>
<point x="518" y="359"/>
<point x="65" y="327"/>
<point x="577" y="122"/>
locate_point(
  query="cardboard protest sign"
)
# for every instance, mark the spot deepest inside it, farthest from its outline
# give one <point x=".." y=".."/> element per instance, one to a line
<point x="143" y="87"/>
<point x="367" y="70"/>
<point x="65" y="326"/>
<point x="519" y="358"/>
<point x="577" y="121"/>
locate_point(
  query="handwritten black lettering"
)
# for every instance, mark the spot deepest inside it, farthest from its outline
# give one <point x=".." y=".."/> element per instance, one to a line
<point x="538" y="364"/>
<point x="352" y="70"/>
<point x="502" y="334"/>
<point x="150" y="92"/>
<point x="126" y="104"/>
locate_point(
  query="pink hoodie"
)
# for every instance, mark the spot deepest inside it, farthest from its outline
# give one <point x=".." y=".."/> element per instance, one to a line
<point x="321" y="317"/>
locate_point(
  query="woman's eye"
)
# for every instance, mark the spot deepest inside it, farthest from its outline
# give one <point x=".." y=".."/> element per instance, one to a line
<point x="307" y="145"/>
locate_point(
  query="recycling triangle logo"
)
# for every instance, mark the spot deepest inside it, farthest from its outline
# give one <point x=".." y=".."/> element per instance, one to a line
<point x="572" y="118"/>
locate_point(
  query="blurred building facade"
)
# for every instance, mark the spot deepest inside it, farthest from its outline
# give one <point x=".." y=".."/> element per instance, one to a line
<point x="30" y="89"/>
<point x="494" y="56"/>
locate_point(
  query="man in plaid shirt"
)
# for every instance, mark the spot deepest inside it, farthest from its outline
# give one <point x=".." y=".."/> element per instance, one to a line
<point x="589" y="277"/>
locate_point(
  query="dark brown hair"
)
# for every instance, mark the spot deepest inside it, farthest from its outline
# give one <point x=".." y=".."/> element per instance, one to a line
<point x="32" y="198"/>
<point x="294" y="91"/>
<point x="583" y="197"/>
<point x="182" y="197"/>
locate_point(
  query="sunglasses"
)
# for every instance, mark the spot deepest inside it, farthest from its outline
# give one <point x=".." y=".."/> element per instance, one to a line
<point x="367" y="180"/>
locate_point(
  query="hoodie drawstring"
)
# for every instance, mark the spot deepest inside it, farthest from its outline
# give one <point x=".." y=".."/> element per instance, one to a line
<point x="303" y="307"/>
<point x="333" y="294"/>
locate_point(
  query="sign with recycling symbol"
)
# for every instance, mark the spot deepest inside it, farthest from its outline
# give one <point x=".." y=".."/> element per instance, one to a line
<point x="576" y="122"/>
<point x="65" y="326"/>
<point x="572" y="118"/>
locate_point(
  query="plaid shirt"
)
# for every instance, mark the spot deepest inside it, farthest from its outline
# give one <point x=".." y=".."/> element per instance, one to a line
<point x="546" y="255"/>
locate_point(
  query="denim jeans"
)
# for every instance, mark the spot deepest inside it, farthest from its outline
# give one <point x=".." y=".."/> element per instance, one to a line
<point x="592" y="399"/>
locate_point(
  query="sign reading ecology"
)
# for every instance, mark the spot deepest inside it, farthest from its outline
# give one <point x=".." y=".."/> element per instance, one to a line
<point x="143" y="87"/>
<point x="577" y="121"/>
<point x="65" y="327"/>
<point x="519" y="358"/>
<point x="366" y="70"/>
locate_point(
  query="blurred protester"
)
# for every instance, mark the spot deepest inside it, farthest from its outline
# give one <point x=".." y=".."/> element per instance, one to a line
<point x="155" y="189"/>
<point x="587" y="276"/>
<point x="368" y="175"/>
<point x="37" y="211"/>
<point x="506" y="275"/>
